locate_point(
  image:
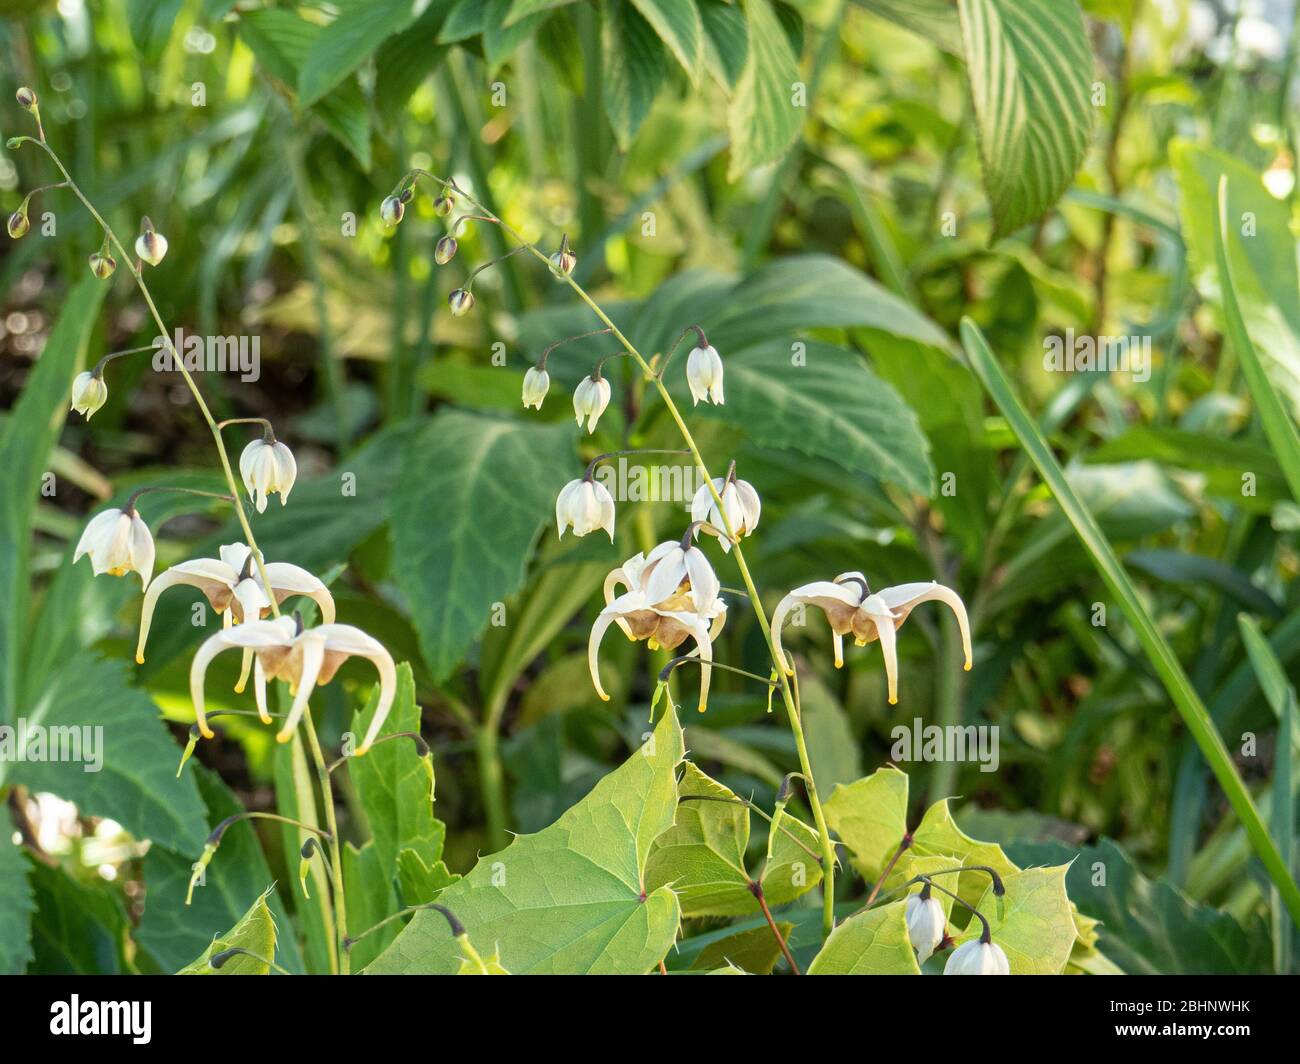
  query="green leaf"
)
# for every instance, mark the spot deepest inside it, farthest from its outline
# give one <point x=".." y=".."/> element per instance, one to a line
<point x="872" y="943"/>
<point x="419" y="884"/>
<point x="935" y="20"/>
<point x="78" y="929"/>
<point x="371" y="897"/>
<point x="407" y="58"/>
<point x="726" y="41"/>
<point x="28" y="436"/>
<point x="476" y="491"/>
<point x="394" y="783"/>
<point x="830" y="406"/>
<point x="501" y="40"/>
<point x="1282" y="823"/>
<point x="677" y="22"/>
<point x="633" y="69"/>
<point x="125" y="765"/>
<point x="1030" y="70"/>
<point x="295" y="797"/>
<point x="870" y="817"/>
<point x="833" y="749"/>
<point x="254" y="932"/>
<point x="755" y="951"/>
<point x="17" y="903"/>
<point x="1032" y="922"/>
<point x="1157" y="650"/>
<point x="702" y="856"/>
<point x="764" y="119"/>
<point x="1149" y="927"/>
<point x="1241" y="251"/>
<point x="349" y="41"/>
<point x="1180" y="567"/>
<point x="571" y="898"/>
<point x="523" y="8"/>
<point x="152" y="23"/>
<point x="464" y="21"/>
<point x="172" y="932"/>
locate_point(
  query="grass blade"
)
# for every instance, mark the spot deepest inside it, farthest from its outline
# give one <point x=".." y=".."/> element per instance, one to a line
<point x="1162" y="657"/>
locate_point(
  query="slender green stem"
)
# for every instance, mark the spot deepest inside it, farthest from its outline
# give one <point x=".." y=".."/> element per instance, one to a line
<point x="336" y="856"/>
<point x="491" y="778"/>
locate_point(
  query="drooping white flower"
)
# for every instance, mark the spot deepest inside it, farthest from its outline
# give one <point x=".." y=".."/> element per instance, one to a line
<point x="704" y="374"/>
<point x="233" y="586"/>
<point x="590" y="398"/>
<point x="660" y="627"/>
<point x="304" y="658"/>
<point x="537" y="382"/>
<point x="267" y="466"/>
<point x="740" y="502"/>
<point x="586" y="505"/>
<point x="851" y="608"/>
<point x="89" y="393"/>
<point x="677" y="576"/>
<point x="118" y="542"/>
<point x="977" y="958"/>
<point x="925" y="924"/>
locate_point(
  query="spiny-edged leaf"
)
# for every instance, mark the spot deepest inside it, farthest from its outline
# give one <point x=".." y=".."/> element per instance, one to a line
<point x="394" y="783"/>
<point x="349" y="41"/>
<point x="726" y="41"/>
<point x="419" y="883"/>
<point x="522" y="8"/>
<point x="25" y="444"/>
<point x="1030" y="71"/>
<point x="281" y="43"/>
<point x="677" y="22"/>
<point x="1259" y="249"/>
<point x="172" y="932"/>
<point x="935" y="20"/>
<point x="571" y="898"/>
<point x="371" y="897"/>
<point x="872" y="943"/>
<point x="126" y="767"/>
<point x="633" y="67"/>
<point x="755" y="951"/>
<point x="1149" y="927"/>
<point x="500" y="40"/>
<point x="78" y="928"/>
<point x="870" y="817"/>
<point x="764" y="118"/>
<point x="254" y="932"/>
<point x="1032" y="922"/>
<point x="939" y="836"/>
<point x="826" y="404"/>
<point x="476" y="491"/>
<point x="16" y="905"/>
<point x="481" y="965"/>
<point x="407" y="58"/>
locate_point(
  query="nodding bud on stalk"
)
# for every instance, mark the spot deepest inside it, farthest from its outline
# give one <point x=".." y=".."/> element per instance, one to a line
<point x="391" y="210"/>
<point x="461" y="302"/>
<point x="537" y="382"/>
<point x="590" y="398"/>
<point x="444" y="204"/>
<point x="102" y="264"/>
<point x="150" y="245"/>
<point x="89" y="393"/>
<point x="564" y="260"/>
<point x="18" y="223"/>
<point x="304" y="864"/>
<point x="445" y="250"/>
<point x="786" y="789"/>
<point x="26" y="99"/>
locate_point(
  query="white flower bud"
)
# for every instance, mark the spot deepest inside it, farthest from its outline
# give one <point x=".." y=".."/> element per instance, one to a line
<point x="564" y="260"/>
<point x="391" y="210"/>
<point x="587" y="506"/>
<point x="18" y="223"/>
<point x="118" y="542"/>
<point x="590" y="398"/>
<point x="445" y="250"/>
<point x="26" y="98"/>
<point x="704" y="375"/>
<point x="925" y="925"/>
<point x="461" y="302"/>
<point x="89" y="392"/>
<point x="537" y="382"/>
<point x="150" y="245"/>
<point x="977" y="958"/>
<point x="740" y="502"/>
<point x="267" y="466"/>
<point x="102" y="264"/>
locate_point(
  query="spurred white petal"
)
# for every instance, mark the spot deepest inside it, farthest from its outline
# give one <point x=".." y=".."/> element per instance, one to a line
<point x="118" y="543"/>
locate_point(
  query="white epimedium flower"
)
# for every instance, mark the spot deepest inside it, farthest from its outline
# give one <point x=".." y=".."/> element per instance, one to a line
<point x="303" y="658"/>
<point x="660" y="627"/>
<point x="267" y="466"/>
<point x="926" y="921"/>
<point x="978" y="958"/>
<point x="740" y="503"/>
<point x="586" y="505"/>
<point x="537" y="382"/>
<point x="118" y="542"/>
<point x="89" y="393"/>
<point x="150" y="245"/>
<point x="590" y="398"/>
<point x="850" y="607"/>
<point x="233" y="586"/>
<point x="704" y="374"/>
<point x="677" y="576"/>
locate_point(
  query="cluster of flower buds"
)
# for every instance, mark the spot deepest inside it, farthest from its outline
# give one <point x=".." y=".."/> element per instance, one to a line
<point x="852" y="608"/>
